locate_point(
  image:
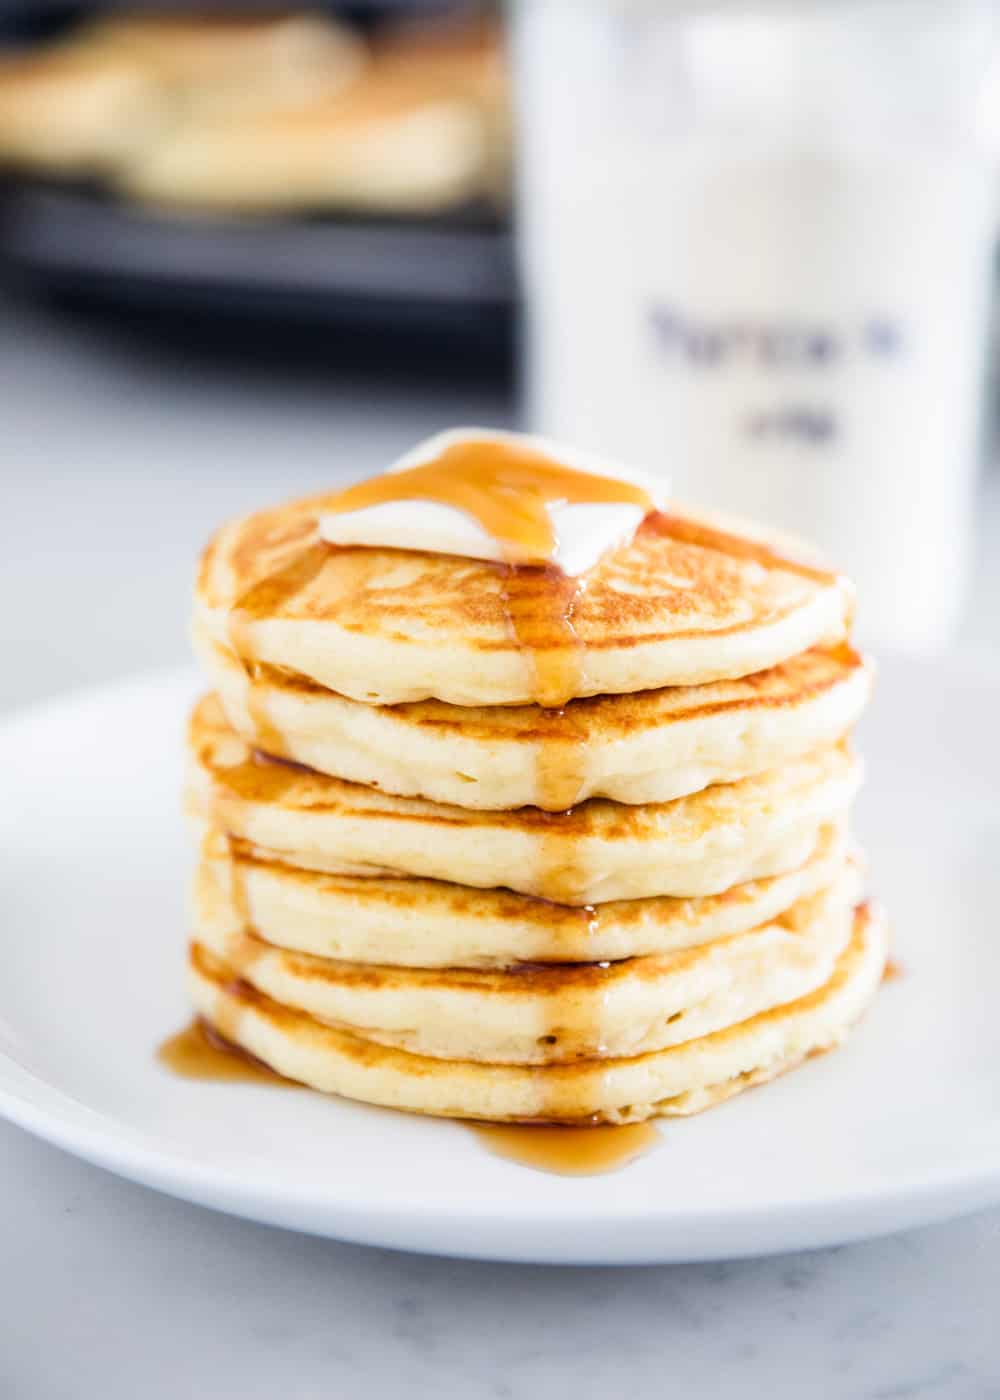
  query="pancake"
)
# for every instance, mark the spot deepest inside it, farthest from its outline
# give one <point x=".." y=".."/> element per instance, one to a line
<point x="387" y="142"/>
<point x="697" y="845"/>
<point x="545" y="1013"/>
<point x="681" y="1079"/>
<point x="116" y="87"/>
<point x="427" y="923"/>
<point x="464" y="53"/>
<point x="685" y="603"/>
<point x="650" y="747"/>
<point x="71" y="110"/>
<point x="202" y="56"/>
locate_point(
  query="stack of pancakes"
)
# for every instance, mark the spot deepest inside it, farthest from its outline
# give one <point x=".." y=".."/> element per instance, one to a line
<point x="264" y="113"/>
<point x="99" y="97"/>
<point x="421" y="888"/>
<point x="420" y="125"/>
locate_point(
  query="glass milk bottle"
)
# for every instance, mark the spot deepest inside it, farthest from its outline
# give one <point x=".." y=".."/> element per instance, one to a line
<point x="755" y="244"/>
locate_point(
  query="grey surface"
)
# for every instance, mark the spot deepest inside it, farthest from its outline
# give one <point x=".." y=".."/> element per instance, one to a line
<point x="115" y="464"/>
<point x="114" y="1292"/>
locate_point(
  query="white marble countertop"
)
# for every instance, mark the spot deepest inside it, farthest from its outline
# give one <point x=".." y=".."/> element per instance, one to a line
<point x="114" y="467"/>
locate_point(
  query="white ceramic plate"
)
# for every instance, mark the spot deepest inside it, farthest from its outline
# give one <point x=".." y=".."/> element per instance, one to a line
<point x="900" y="1127"/>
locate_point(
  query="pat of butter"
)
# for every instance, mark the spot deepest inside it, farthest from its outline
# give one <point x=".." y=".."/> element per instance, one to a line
<point x="584" y="531"/>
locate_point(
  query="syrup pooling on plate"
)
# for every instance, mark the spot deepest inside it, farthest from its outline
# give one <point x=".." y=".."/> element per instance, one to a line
<point x="509" y="490"/>
<point x="200" y="1052"/>
<point x="576" y="1151"/>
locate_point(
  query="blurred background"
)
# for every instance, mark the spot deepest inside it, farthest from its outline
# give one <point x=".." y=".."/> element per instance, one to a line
<point x="749" y="244"/>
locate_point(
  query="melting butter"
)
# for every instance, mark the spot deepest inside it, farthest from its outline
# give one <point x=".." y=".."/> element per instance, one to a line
<point x="507" y="497"/>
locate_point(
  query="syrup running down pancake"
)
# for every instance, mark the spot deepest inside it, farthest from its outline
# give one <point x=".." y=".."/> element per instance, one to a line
<point x="414" y="923"/>
<point x="549" y="1013"/>
<point x="599" y="851"/>
<point x="682" y="1079"/>
<point x="649" y="747"/>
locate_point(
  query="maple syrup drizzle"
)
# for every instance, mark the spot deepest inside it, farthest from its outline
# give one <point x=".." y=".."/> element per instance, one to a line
<point x="267" y="737"/>
<point x="228" y="1014"/>
<point x="508" y="490"/>
<point x="578" y="1147"/>
<point x="506" y="487"/>
<point x="251" y="779"/>
<point x="243" y="949"/>
<point x="239" y="896"/>
<point x="540" y="604"/>
<point x="567" y="935"/>
<point x="200" y="1052"/>
<point x="568" y="1151"/>
<point x="264" y="599"/>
